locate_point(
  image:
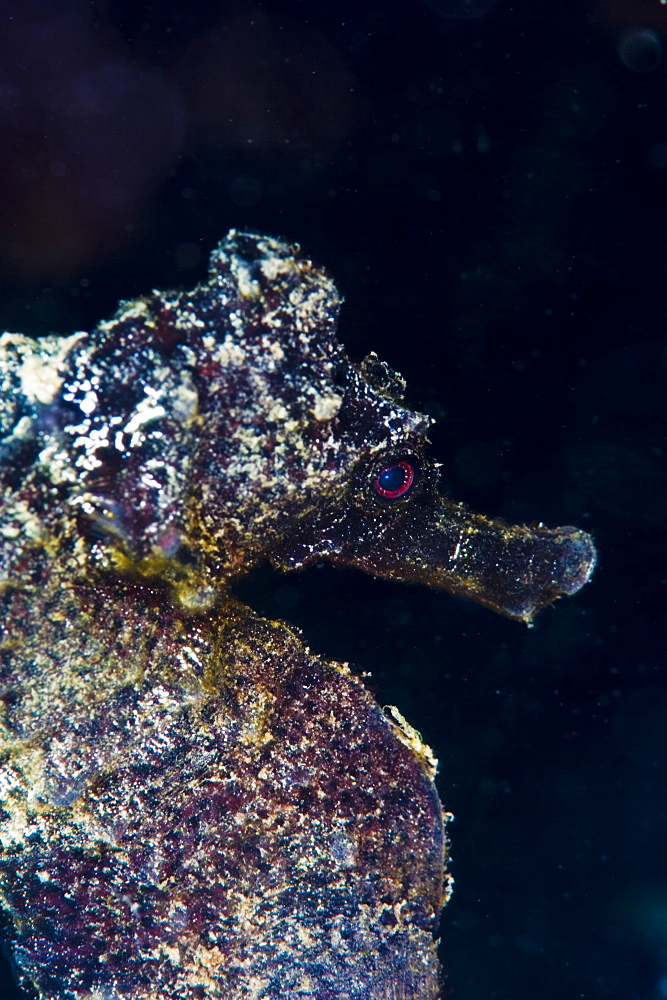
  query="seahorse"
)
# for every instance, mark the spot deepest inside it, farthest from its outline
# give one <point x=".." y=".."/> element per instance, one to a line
<point x="193" y="803"/>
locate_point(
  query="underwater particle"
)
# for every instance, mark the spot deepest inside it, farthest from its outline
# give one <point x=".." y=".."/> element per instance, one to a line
<point x="461" y="9"/>
<point x="640" y="49"/>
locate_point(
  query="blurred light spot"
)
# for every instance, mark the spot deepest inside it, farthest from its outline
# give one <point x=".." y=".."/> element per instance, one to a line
<point x="526" y="942"/>
<point x="656" y="156"/>
<point x="245" y="191"/>
<point x="643" y="910"/>
<point x="187" y="255"/>
<point x="97" y="91"/>
<point x="461" y="8"/>
<point x="640" y="50"/>
<point x="482" y="141"/>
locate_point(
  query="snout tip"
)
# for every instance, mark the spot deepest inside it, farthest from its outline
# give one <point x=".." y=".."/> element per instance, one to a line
<point x="578" y="558"/>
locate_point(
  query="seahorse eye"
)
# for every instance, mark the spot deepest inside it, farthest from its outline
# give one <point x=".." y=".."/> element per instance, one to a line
<point x="395" y="480"/>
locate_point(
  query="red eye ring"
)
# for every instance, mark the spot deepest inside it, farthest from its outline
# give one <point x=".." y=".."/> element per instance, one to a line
<point x="395" y="480"/>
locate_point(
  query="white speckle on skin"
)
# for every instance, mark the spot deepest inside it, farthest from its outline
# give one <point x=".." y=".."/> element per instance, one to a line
<point x="89" y="403"/>
<point x="143" y="414"/>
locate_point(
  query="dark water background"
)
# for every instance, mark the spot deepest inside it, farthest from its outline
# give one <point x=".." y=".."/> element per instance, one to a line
<point x="488" y="184"/>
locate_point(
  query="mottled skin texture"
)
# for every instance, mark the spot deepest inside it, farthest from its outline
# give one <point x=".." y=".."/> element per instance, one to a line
<point x="194" y="805"/>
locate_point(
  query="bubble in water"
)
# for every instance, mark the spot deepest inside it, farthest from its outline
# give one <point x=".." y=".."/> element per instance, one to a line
<point x="461" y="8"/>
<point x="640" y="49"/>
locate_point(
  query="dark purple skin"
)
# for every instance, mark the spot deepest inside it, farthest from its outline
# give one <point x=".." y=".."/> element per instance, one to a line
<point x="194" y="805"/>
